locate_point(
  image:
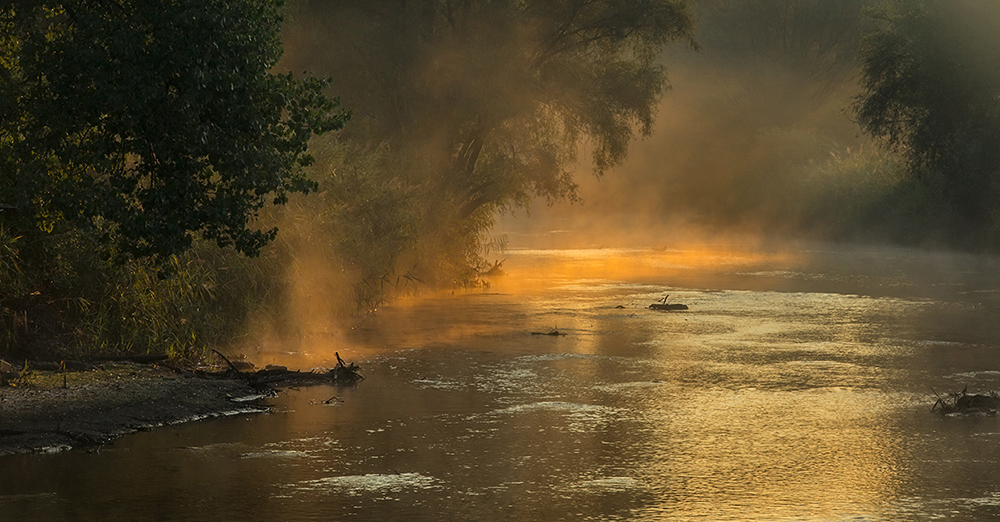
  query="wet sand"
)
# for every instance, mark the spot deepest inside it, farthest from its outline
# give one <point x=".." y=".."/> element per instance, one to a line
<point x="98" y="405"/>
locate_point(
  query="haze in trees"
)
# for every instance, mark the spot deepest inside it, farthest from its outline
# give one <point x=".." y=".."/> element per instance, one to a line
<point x="930" y="89"/>
<point x="483" y="105"/>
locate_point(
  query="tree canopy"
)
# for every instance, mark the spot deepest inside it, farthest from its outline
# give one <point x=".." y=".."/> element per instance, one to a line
<point x="151" y="122"/>
<point x="930" y="90"/>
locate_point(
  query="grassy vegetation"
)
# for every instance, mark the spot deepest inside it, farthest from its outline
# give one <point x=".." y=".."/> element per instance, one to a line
<point x="81" y="303"/>
<point x="344" y="250"/>
<point x="873" y="195"/>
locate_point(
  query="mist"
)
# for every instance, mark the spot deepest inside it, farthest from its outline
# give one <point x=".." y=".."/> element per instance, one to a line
<point x="758" y="140"/>
<point x="763" y="101"/>
<point x="745" y="134"/>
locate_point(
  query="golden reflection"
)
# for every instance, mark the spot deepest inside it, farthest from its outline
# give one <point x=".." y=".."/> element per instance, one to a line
<point x="317" y="327"/>
<point x="740" y="446"/>
<point x="758" y="407"/>
<point x="528" y="271"/>
<point x="758" y="454"/>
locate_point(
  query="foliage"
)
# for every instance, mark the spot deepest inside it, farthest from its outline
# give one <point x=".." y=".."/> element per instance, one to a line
<point x="92" y="305"/>
<point x="149" y="122"/>
<point x="482" y="105"/>
<point x="865" y="194"/>
<point x="137" y="137"/>
<point x="205" y="303"/>
<point x="930" y="90"/>
<point x="362" y="221"/>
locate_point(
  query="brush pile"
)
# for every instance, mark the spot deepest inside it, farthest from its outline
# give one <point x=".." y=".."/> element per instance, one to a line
<point x="964" y="403"/>
<point x="342" y="374"/>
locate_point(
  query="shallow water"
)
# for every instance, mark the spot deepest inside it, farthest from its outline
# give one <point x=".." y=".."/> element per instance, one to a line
<point x="797" y="387"/>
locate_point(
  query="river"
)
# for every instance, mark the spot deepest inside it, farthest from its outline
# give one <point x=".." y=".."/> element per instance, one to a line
<point x="796" y="387"/>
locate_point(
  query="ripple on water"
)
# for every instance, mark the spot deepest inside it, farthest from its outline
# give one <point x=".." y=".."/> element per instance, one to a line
<point x="580" y="417"/>
<point x="620" y="387"/>
<point x="582" y="357"/>
<point x="985" y="374"/>
<point x="371" y="483"/>
<point x="437" y="384"/>
<point x="610" y="484"/>
<point x="509" y="381"/>
<point x="559" y="357"/>
<point x="568" y="407"/>
<point x="275" y="453"/>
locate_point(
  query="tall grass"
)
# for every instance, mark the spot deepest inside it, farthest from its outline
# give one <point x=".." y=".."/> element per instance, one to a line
<point x="204" y="301"/>
<point x="81" y="303"/>
<point x="872" y="195"/>
<point x="12" y="283"/>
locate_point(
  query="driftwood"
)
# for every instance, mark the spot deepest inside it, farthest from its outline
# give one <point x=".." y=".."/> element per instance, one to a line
<point x="552" y="333"/>
<point x="964" y="403"/>
<point x="8" y="374"/>
<point x="342" y="373"/>
<point x="664" y="306"/>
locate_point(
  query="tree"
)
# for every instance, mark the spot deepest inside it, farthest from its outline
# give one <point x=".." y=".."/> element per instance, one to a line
<point x="930" y="91"/>
<point x="484" y="104"/>
<point x="151" y="122"/>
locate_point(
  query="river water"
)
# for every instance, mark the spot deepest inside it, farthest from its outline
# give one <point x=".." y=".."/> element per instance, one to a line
<point x="796" y="387"/>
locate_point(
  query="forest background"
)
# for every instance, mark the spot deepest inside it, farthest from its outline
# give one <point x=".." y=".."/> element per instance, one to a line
<point x="177" y="178"/>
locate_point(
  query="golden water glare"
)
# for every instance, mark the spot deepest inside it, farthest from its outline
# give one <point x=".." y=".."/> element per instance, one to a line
<point x="787" y="393"/>
<point x="704" y="450"/>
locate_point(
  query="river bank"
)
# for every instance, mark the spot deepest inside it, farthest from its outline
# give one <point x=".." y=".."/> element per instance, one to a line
<point x="54" y="411"/>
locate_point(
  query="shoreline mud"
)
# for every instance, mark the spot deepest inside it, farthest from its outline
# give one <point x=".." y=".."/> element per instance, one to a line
<point x="57" y="411"/>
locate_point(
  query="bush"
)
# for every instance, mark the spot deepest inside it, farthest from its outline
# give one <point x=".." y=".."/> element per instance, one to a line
<point x="81" y="303"/>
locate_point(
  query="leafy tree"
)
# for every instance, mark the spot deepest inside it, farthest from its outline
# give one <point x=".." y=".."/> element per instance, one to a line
<point x="930" y="91"/>
<point x="151" y="122"/>
<point x="483" y="104"/>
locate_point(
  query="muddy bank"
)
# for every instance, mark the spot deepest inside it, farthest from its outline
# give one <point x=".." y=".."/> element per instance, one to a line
<point x="112" y="400"/>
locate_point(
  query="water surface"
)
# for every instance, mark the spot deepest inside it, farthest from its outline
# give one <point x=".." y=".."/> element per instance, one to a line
<point x="797" y="387"/>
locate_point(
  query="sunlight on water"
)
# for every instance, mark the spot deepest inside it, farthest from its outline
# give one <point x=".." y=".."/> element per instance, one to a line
<point x="362" y="484"/>
<point x="796" y="387"/>
<point x="581" y="269"/>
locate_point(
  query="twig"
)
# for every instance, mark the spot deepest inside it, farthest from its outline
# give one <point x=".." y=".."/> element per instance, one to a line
<point x="231" y="365"/>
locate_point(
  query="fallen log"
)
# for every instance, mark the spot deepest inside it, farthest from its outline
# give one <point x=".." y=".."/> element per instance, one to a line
<point x="663" y="305"/>
<point x="667" y="307"/>
<point x="342" y="374"/>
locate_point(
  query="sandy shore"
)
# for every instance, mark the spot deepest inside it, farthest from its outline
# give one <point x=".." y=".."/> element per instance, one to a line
<point x="115" y="399"/>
